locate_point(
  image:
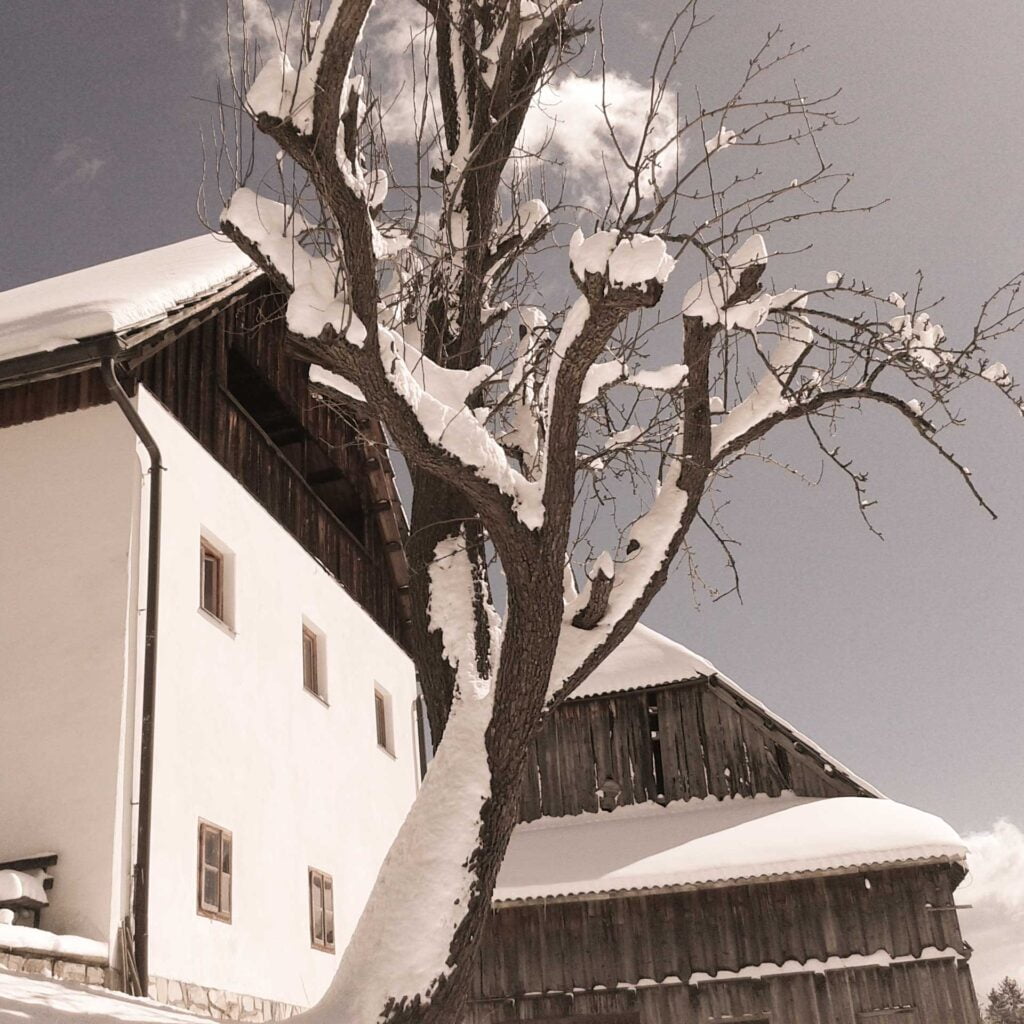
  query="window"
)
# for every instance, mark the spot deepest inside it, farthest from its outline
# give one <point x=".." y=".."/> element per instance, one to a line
<point x="312" y="675"/>
<point x="211" y="580"/>
<point x="382" y="713"/>
<point x="321" y="911"/>
<point x="214" y="883"/>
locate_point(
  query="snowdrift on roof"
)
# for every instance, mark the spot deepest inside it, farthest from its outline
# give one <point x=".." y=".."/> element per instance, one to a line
<point x="644" y="658"/>
<point x="697" y="842"/>
<point x="114" y="296"/>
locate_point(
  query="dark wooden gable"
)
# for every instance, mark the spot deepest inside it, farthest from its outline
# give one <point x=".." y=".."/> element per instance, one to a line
<point x="232" y="384"/>
<point x="679" y="741"/>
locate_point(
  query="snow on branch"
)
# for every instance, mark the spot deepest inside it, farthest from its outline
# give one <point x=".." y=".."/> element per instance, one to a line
<point x="452" y="426"/>
<point x="771" y="394"/>
<point x="270" y="230"/>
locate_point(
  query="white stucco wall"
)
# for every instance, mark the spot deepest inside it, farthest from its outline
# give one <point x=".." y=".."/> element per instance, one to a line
<point x="69" y="488"/>
<point x="239" y="742"/>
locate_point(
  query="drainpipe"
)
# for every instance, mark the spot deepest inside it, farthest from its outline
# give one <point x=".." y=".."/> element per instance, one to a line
<point x="140" y="875"/>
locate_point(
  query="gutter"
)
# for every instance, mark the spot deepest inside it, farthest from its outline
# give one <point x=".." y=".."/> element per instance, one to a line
<point x="140" y="872"/>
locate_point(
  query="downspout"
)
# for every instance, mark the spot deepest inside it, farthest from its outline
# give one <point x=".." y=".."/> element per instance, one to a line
<point x="140" y="874"/>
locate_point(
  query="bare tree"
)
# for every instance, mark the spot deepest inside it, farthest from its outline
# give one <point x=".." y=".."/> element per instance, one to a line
<point x="415" y="269"/>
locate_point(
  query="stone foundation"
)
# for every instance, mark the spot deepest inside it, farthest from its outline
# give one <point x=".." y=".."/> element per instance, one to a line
<point x="217" y="1004"/>
<point x="87" y="970"/>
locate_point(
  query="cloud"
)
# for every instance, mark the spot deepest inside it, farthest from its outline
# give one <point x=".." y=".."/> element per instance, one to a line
<point x="77" y="163"/>
<point x="995" y="889"/>
<point x="571" y="118"/>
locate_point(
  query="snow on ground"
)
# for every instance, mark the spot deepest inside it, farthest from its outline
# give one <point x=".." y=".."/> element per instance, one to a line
<point x="700" y="841"/>
<point x="114" y="296"/>
<point x="30" y="999"/>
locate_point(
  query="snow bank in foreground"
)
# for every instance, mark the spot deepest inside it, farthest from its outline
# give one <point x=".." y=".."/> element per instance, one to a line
<point x="35" y="940"/>
<point x="114" y="296"/>
<point x="696" y="842"/>
<point x="29" y="999"/>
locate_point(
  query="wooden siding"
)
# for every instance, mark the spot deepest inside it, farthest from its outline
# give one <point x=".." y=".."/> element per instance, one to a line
<point x="36" y="401"/>
<point x="583" y="943"/>
<point x="706" y="744"/>
<point x="190" y="377"/>
<point x="929" y="992"/>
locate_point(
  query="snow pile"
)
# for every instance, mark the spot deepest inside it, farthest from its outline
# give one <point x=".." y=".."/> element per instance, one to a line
<point x="697" y="842"/>
<point x="922" y="339"/>
<point x="630" y="263"/>
<point x="115" y="296"/>
<point x="667" y="378"/>
<point x="35" y="940"/>
<point x="709" y="297"/>
<point x="998" y="374"/>
<point x="17" y="885"/>
<point x="283" y="91"/>
<point x="30" y="999"/>
<point x="318" y="375"/>
<point x="880" y="958"/>
<point x="600" y="376"/>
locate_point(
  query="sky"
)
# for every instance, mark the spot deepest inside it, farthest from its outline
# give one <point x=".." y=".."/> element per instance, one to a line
<point x="904" y="657"/>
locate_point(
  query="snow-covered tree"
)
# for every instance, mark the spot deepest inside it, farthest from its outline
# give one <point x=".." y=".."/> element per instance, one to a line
<point x="447" y="267"/>
<point x="1005" y="1003"/>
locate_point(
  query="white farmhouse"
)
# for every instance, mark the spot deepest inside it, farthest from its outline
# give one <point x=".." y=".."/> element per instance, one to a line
<point x="207" y="728"/>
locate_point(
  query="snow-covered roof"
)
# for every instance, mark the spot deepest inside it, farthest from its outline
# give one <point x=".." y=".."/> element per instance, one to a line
<point x="644" y="658"/>
<point x="699" y="842"/>
<point x="647" y="658"/>
<point x="115" y="297"/>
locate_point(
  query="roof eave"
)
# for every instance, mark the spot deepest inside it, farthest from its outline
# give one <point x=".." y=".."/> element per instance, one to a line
<point x="87" y="353"/>
<point x="727" y="883"/>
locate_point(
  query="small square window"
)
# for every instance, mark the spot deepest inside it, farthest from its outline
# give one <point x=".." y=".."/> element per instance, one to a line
<point x="321" y="910"/>
<point x="313" y="677"/>
<point x="211" y="580"/>
<point x="382" y="715"/>
<point x="213" y="884"/>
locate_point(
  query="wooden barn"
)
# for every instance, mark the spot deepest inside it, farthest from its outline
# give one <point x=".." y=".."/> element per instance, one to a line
<point x="686" y="857"/>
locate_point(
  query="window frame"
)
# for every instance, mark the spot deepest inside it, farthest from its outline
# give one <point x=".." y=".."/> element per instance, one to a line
<point x="208" y="552"/>
<point x="384" y="721"/>
<point x="221" y="910"/>
<point x="325" y="917"/>
<point x="313" y="643"/>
